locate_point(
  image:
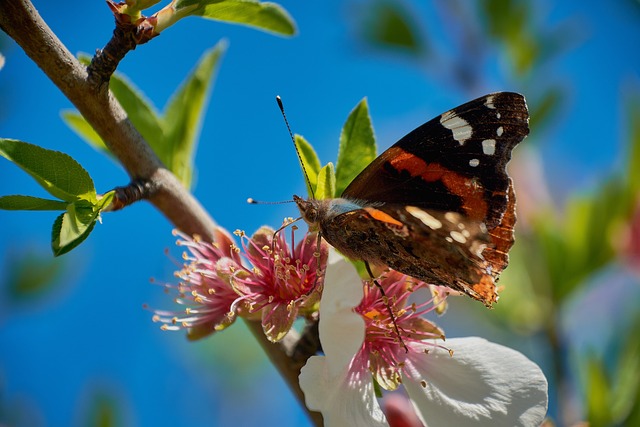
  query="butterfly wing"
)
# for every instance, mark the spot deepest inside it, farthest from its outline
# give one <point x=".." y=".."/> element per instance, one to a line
<point x="441" y="205"/>
<point x="440" y="248"/>
<point x="455" y="162"/>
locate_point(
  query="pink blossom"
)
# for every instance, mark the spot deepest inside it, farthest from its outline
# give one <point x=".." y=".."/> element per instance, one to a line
<point x="285" y="280"/>
<point x="204" y="288"/>
<point x="268" y="278"/>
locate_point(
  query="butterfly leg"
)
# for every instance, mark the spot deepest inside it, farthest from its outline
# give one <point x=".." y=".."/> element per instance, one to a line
<point x="386" y="303"/>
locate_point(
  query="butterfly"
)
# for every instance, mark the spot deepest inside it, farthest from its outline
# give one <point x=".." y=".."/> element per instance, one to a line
<point x="438" y="205"/>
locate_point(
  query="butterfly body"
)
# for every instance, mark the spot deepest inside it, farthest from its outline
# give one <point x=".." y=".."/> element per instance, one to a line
<point x="438" y="205"/>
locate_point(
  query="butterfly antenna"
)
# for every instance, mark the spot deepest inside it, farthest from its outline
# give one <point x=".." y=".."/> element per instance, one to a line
<point x="304" y="170"/>
<point x="253" y="201"/>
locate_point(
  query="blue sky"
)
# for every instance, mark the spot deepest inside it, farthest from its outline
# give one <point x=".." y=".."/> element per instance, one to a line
<point x="92" y="333"/>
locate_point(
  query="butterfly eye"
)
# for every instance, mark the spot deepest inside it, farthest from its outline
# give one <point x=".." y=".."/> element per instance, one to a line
<point x="311" y="215"/>
<point x="308" y="209"/>
<point x="309" y="212"/>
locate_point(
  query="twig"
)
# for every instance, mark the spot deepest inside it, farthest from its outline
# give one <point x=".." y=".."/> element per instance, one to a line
<point x="20" y="20"/>
<point x="126" y="36"/>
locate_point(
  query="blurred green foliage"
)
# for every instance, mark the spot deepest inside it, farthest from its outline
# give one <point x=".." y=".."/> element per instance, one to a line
<point x="172" y="135"/>
<point x="561" y="250"/>
<point x="30" y="275"/>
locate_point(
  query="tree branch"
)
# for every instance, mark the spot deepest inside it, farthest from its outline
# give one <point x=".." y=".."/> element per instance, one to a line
<point x="20" y="20"/>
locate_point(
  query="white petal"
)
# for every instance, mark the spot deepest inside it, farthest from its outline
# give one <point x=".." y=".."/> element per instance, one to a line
<point x="336" y="385"/>
<point x="342" y="401"/>
<point x="341" y="329"/>
<point x="483" y="384"/>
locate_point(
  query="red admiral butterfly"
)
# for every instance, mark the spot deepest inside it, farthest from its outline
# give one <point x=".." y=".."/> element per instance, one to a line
<point x="438" y="205"/>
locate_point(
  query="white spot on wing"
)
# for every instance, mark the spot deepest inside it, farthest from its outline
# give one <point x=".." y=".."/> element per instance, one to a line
<point x="477" y="248"/>
<point x="489" y="146"/>
<point x="474" y="162"/>
<point x="458" y="237"/>
<point x="489" y="102"/>
<point x="500" y="131"/>
<point x="459" y="126"/>
<point x="428" y="220"/>
<point x="451" y="217"/>
<point x="498" y="115"/>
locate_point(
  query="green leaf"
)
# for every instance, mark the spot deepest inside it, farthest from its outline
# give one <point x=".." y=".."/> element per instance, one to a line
<point x="173" y="136"/>
<point x="183" y="116"/>
<point x="29" y="203"/>
<point x="105" y="201"/>
<point x="56" y="172"/>
<point x="326" y="187"/>
<point x="357" y="146"/>
<point x="310" y="162"/>
<point x="83" y="129"/>
<point x="140" y="111"/>
<point x="263" y="16"/>
<point x="72" y="228"/>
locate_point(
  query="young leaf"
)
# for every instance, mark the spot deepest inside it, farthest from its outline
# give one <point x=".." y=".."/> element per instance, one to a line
<point x="326" y="187"/>
<point x="56" y="172"/>
<point x="173" y="136"/>
<point x="83" y="129"/>
<point x="183" y="116"/>
<point x="263" y="16"/>
<point x="310" y="161"/>
<point x="28" y="203"/>
<point x="357" y="146"/>
<point x="140" y="111"/>
<point x="104" y="202"/>
<point x="72" y="228"/>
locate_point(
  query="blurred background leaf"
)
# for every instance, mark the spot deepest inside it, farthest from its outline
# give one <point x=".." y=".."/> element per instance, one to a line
<point x="389" y="25"/>
<point x="30" y="275"/>
<point x="174" y="135"/>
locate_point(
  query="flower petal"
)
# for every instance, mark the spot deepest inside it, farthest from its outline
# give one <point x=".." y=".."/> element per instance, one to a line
<point x="277" y="319"/>
<point x="338" y="384"/>
<point x="341" y="329"/>
<point x="481" y="384"/>
<point x="343" y="399"/>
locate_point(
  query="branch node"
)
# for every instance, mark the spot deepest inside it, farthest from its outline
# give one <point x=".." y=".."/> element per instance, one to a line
<point x="127" y="34"/>
<point x="136" y="190"/>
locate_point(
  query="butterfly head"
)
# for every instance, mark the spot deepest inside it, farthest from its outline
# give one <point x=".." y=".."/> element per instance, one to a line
<point x="311" y="211"/>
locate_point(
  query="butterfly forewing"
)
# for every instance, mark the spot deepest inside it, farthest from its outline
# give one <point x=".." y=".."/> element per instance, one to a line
<point x="455" y="162"/>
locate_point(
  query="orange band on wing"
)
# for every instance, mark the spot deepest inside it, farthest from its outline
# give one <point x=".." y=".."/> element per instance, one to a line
<point x="382" y="216"/>
<point x="466" y="188"/>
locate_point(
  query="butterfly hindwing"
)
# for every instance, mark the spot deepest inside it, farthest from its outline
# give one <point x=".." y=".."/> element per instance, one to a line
<point x="428" y="245"/>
